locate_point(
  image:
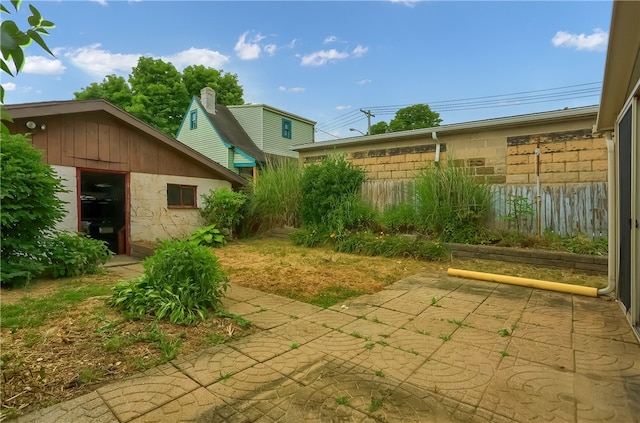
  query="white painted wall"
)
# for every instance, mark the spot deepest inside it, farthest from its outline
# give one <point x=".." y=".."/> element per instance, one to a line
<point x="151" y="219"/>
<point x="69" y="182"/>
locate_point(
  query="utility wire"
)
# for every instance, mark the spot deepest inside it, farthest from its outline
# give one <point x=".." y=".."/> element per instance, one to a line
<point x="546" y="95"/>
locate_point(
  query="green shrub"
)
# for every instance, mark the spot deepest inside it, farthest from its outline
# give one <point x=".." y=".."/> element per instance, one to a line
<point x="310" y="236"/>
<point x="399" y="218"/>
<point x="75" y="254"/>
<point x="326" y="185"/>
<point x="350" y="212"/>
<point x="578" y="244"/>
<point x="209" y="236"/>
<point x="451" y="203"/>
<point x="520" y="210"/>
<point x="182" y="281"/>
<point x="30" y="208"/>
<point x="380" y="244"/>
<point x="274" y="200"/>
<point x="223" y="208"/>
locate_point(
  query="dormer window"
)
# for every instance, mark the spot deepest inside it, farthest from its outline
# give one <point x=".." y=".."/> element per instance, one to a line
<point x="193" y="119"/>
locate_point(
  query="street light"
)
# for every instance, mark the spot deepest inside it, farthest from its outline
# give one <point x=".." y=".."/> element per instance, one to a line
<point x="357" y="130"/>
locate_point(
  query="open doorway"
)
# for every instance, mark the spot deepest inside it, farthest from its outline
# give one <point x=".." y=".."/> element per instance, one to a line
<point x="103" y="208"/>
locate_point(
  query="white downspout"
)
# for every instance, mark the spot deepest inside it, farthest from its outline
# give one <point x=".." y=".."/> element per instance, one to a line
<point x="434" y="135"/>
<point x="612" y="218"/>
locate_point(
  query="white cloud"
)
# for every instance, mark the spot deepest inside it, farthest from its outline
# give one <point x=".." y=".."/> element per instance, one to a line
<point x="597" y="41"/>
<point x="101" y="62"/>
<point x="343" y="107"/>
<point x="292" y="89"/>
<point x="408" y="3"/>
<point x="248" y="49"/>
<point x="364" y="81"/>
<point x="42" y="65"/>
<point x="9" y="86"/>
<point x="270" y="49"/>
<point x="197" y="56"/>
<point x="322" y="57"/>
<point x="359" y="50"/>
<point x="331" y="39"/>
<point x="100" y="2"/>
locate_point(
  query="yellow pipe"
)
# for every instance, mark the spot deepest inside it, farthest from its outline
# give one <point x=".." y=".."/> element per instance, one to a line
<point x="531" y="283"/>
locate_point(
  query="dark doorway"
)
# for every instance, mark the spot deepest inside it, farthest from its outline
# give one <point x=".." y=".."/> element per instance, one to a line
<point x="624" y="159"/>
<point x="103" y="211"/>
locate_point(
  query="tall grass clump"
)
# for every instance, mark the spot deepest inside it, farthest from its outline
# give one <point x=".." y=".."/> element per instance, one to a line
<point x="451" y="203"/>
<point x="274" y="200"/>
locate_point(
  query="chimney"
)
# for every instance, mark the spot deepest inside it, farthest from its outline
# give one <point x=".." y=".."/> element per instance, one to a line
<point x="208" y="99"/>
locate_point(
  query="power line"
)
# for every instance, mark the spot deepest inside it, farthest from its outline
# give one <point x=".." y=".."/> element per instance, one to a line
<point x="546" y="95"/>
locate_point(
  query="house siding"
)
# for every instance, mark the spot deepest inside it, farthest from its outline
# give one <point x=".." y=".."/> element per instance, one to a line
<point x="252" y="121"/>
<point x="264" y="126"/>
<point x="151" y="219"/>
<point x="205" y="138"/>
<point x="275" y="143"/>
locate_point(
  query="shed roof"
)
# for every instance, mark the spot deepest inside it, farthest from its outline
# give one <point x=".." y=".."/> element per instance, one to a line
<point x="52" y="108"/>
<point x="503" y="122"/>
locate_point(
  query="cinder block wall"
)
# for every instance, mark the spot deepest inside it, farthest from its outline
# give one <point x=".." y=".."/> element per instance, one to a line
<point x="569" y="153"/>
<point x="565" y="157"/>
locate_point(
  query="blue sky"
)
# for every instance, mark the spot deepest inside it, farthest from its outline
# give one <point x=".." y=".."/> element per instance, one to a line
<point x="326" y="60"/>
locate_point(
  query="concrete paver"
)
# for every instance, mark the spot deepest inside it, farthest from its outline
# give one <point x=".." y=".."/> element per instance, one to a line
<point x="427" y="349"/>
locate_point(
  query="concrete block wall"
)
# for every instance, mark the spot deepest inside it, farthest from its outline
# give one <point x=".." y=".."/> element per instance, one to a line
<point x="569" y="157"/>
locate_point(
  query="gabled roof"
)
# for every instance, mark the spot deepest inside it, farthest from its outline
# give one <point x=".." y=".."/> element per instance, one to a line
<point x="232" y="132"/>
<point x="53" y="108"/>
<point x="456" y="128"/>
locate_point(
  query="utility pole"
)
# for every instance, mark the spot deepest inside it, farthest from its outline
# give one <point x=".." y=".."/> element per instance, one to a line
<point x="369" y="116"/>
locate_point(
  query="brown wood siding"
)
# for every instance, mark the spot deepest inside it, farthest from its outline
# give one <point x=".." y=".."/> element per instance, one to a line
<point x="96" y="140"/>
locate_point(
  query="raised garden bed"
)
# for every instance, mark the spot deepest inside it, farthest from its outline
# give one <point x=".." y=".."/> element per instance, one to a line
<point x="597" y="265"/>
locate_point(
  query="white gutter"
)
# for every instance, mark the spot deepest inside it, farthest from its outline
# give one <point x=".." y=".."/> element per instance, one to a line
<point x="434" y="135"/>
<point x="611" y="213"/>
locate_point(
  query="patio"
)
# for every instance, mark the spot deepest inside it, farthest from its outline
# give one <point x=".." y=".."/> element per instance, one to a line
<point x="428" y="348"/>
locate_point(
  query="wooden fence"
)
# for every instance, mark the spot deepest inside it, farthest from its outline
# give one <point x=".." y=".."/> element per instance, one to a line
<point x="565" y="210"/>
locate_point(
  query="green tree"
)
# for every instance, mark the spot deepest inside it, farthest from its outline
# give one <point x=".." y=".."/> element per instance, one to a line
<point x="114" y="89"/>
<point x="417" y="116"/>
<point x="30" y="207"/>
<point x="228" y="91"/>
<point x="380" y="128"/>
<point x="13" y="41"/>
<point x="159" y="95"/>
<point x="154" y="79"/>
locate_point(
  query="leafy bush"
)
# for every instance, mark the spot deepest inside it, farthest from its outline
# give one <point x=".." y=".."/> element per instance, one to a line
<point x="274" y="200"/>
<point x="182" y="281"/>
<point x="209" y="236"/>
<point x="351" y="212"/>
<point x="30" y="208"/>
<point x="310" y="236"/>
<point x="452" y="204"/>
<point x="380" y="244"/>
<point x="75" y="254"/>
<point x="223" y="208"/>
<point x="326" y="185"/>
<point x="520" y="210"/>
<point x="399" y="218"/>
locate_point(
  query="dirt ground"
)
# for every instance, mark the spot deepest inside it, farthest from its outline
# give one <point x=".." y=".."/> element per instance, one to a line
<point x="89" y="345"/>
